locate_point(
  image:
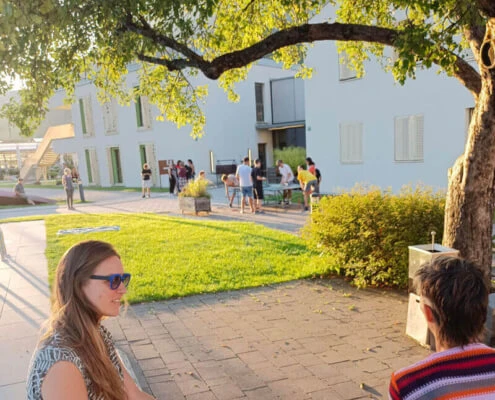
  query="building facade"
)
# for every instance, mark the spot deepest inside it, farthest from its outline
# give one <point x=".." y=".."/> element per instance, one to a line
<point x="374" y="131"/>
<point x="112" y="142"/>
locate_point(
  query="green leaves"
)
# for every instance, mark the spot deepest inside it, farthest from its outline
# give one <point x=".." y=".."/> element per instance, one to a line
<point x="50" y="44"/>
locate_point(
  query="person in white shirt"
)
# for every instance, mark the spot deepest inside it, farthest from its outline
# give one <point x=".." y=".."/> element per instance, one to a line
<point x="287" y="179"/>
<point x="243" y="175"/>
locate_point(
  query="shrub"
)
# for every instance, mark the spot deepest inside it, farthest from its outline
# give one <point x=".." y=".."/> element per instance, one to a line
<point x="293" y="156"/>
<point x="195" y="188"/>
<point x="368" y="231"/>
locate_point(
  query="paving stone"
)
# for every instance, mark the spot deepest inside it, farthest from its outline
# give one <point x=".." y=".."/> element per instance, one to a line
<point x="228" y="391"/>
<point x="167" y="391"/>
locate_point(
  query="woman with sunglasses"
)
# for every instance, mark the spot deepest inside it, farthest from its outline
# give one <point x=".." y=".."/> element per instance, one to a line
<point x="76" y="358"/>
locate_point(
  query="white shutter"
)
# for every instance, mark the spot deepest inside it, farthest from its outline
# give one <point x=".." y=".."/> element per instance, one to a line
<point x="109" y="109"/>
<point x="401" y="143"/>
<point x="95" y="172"/>
<point x="88" y="116"/>
<point x="110" y="166"/>
<point x="351" y="142"/>
<point x="409" y="133"/>
<point x="146" y="112"/>
<point x="344" y="71"/>
<point x="151" y="159"/>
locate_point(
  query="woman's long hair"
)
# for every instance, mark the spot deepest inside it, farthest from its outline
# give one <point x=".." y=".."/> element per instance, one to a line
<point x="76" y="320"/>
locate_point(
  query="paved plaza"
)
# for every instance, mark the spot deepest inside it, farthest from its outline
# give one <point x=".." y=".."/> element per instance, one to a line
<point x="310" y="339"/>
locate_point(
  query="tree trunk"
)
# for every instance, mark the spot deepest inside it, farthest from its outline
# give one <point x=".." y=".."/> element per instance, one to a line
<point x="470" y="198"/>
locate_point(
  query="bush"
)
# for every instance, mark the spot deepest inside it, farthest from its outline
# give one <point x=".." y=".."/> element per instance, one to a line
<point x="195" y="188"/>
<point x="293" y="156"/>
<point x="368" y="231"/>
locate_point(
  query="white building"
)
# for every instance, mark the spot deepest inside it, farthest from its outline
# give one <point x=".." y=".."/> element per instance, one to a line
<point x="375" y="131"/>
<point x="112" y="142"/>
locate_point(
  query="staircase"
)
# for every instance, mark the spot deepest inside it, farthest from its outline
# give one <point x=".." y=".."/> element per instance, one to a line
<point x="44" y="156"/>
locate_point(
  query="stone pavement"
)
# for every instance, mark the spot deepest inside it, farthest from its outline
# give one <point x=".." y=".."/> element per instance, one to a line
<point x="299" y="340"/>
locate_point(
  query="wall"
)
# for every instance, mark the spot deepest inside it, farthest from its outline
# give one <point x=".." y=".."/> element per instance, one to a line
<point x="374" y="101"/>
<point x="229" y="132"/>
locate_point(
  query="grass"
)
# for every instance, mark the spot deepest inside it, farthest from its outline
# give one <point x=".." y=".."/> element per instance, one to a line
<point x="172" y="257"/>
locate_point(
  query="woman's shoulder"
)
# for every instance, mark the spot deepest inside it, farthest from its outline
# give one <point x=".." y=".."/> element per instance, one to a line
<point x="46" y="355"/>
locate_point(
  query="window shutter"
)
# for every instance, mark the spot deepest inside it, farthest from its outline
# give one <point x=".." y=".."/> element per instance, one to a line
<point x="110" y="165"/>
<point x="110" y="116"/>
<point x="351" y="142"/>
<point x="93" y="160"/>
<point x="88" y="116"/>
<point x="146" y="112"/>
<point x="139" y="112"/>
<point x="344" y="71"/>
<point x="409" y="134"/>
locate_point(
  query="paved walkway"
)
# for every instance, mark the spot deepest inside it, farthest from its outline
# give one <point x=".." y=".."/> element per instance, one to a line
<point x="299" y="340"/>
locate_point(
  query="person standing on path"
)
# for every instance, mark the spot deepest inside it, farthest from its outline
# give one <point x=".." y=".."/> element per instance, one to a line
<point x="76" y="357"/>
<point x="243" y="175"/>
<point x="258" y="179"/>
<point x="146" y="180"/>
<point x="287" y="178"/>
<point x="454" y="301"/>
<point x="69" y="188"/>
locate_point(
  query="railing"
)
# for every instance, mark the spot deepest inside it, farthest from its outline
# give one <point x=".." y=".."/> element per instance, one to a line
<point x="52" y="133"/>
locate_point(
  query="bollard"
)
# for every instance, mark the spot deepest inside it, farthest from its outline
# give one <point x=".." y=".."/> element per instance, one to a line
<point x="81" y="191"/>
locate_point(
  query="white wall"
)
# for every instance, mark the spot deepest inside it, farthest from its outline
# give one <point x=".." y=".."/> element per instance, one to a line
<point x="374" y="101"/>
<point x="229" y="131"/>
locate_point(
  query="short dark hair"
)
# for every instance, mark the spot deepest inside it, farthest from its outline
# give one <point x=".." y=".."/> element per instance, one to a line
<point x="459" y="292"/>
<point x="246" y="159"/>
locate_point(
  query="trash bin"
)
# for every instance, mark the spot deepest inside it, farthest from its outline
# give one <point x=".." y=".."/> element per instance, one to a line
<point x="416" y="326"/>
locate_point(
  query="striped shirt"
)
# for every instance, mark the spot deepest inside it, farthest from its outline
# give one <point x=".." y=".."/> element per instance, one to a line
<point x="466" y="372"/>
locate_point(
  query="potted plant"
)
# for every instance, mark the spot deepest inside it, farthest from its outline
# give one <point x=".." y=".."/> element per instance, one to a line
<point x="195" y="197"/>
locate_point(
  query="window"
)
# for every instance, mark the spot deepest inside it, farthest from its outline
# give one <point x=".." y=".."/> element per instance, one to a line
<point x="351" y="143"/>
<point x="115" y="167"/>
<point x="260" y="108"/>
<point x="143" y="112"/>
<point x="92" y="166"/>
<point x="86" y="116"/>
<point x="345" y="73"/>
<point x="409" y="138"/>
<point x="109" y="110"/>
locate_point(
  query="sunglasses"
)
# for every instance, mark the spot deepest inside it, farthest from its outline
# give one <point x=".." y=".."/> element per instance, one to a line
<point x="115" y="279"/>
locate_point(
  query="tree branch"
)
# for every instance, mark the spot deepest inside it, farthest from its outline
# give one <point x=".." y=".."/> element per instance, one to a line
<point x="306" y="33"/>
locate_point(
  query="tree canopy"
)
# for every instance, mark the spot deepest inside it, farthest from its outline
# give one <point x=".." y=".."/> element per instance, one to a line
<point x="52" y="44"/>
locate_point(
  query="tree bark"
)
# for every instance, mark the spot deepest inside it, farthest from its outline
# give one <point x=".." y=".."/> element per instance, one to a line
<point x="471" y="195"/>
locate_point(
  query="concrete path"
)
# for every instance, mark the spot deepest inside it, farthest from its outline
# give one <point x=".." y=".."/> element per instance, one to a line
<point x="289" y="219"/>
<point x="24" y="303"/>
<point x="300" y="340"/>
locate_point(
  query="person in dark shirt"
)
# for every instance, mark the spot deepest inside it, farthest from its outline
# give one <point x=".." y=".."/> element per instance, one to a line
<point x="258" y="179"/>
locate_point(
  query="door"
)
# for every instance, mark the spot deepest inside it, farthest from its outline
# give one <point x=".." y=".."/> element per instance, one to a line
<point x="262" y="156"/>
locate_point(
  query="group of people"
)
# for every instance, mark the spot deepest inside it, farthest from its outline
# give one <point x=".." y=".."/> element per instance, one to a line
<point x="180" y="174"/>
<point x="250" y="183"/>
<point x="76" y="357"/>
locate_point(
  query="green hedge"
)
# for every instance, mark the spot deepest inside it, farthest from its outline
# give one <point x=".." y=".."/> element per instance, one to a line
<point x="292" y="155"/>
<point x="368" y="231"/>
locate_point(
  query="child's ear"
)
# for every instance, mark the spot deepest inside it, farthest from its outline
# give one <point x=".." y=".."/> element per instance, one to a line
<point x="428" y="313"/>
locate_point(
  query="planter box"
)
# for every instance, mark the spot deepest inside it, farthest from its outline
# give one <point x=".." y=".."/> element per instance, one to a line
<point x="194" y="204"/>
<point x="416" y="326"/>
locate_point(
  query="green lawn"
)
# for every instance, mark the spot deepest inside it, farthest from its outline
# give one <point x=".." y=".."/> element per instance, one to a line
<point x="174" y="257"/>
